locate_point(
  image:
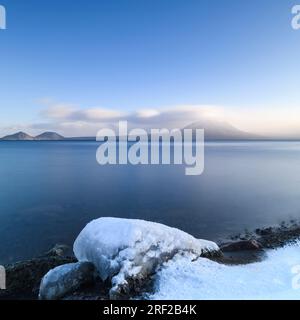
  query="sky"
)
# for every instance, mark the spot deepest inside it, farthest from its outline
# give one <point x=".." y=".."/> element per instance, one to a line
<point x="76" y="66"/>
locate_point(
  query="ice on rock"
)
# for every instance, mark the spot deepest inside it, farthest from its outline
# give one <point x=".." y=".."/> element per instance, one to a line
<point x="124" y="249"/>
<point x="65" y="279"/>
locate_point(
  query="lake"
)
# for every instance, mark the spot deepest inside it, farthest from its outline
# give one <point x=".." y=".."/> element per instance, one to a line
<point x="50" y="190"/>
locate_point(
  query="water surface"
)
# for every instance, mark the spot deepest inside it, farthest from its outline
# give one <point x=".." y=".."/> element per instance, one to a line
<point x="50" y="190"/>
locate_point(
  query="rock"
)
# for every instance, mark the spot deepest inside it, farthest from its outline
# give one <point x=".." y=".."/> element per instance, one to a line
<point x="127" y="252"/>
<point x="241" y="246"/>
<point x="96" y="290"/>
<point x="264" y="232"/>
<point x="65" y="279"/>
<point x="23" y="278"/>
<point x="60" y="250"/>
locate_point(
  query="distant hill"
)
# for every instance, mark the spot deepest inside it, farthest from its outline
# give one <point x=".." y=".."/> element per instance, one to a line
<point x="221" y="130"/>
<point x="22" y="136"/>
<point x="49" y="136"/>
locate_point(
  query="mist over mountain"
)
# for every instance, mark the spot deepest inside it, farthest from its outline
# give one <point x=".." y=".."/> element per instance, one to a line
<point x="221" y="130"/>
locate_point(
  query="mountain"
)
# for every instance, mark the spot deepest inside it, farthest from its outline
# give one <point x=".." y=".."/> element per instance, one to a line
<point x="214" y="130"/>
<point x="49" y="136"/>
<point x="221" y="130"/>
<point x="21" y="136"/>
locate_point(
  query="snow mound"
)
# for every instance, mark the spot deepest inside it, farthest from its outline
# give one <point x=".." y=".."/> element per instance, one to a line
<point x="124" y="250"/>
<point x="277" y="277"/>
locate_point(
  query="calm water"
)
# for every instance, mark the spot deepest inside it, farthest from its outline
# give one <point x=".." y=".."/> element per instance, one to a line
<point x="50" y="190"/>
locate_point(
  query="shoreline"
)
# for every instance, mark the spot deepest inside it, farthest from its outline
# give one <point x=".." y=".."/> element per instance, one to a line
<point x="23" y="278"/>
<point x="250" y="246"/>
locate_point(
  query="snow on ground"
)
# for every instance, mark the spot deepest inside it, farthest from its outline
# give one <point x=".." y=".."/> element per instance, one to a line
<point x="125" y="248"/>
<point x="183" y="278"/>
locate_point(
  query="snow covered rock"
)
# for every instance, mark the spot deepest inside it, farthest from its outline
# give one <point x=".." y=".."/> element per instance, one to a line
<point x="127" y="251"/>
<point x="65" y="279"/>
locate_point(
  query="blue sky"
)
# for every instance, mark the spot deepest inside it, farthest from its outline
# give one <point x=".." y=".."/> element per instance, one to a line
<point x="129" y="55"/>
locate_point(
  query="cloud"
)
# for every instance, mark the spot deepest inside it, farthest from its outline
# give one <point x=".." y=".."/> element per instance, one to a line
<point x="70" y="120"/>
<point x="174" y="117"/>
<point x="69" y="113"/>
<point x="96" y="114"/>
<point x="147" y="113"/>
<point x="57" y="111"/>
